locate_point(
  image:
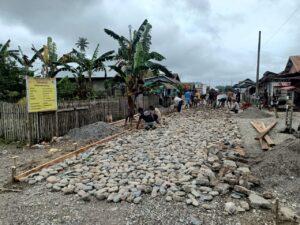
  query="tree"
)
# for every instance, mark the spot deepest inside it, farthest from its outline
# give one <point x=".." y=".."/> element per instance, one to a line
<point x="77" y="72"/>
<point x="47" y="54"/>
<point x="6" y="54"/>
<point x="66" y="89"/>
<point x="88" y="65"/>
<point x="82" y="44"/>
<point x="134" y="60"/>
<point x="12" y="84"/>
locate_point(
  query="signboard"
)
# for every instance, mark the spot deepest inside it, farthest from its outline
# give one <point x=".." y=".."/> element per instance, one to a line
<point x="41" y="94"/>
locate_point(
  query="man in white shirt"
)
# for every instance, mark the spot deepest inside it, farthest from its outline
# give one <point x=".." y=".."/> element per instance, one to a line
<point x="178" y="103"/>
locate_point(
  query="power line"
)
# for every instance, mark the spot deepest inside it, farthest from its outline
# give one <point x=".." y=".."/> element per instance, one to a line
<point x="280" y="27"/>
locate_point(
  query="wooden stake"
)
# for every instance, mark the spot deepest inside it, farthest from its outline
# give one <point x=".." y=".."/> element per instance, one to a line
<point x="66" y="156"/>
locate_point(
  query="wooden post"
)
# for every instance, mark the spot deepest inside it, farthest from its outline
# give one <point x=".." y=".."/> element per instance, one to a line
<point x="258" y="62"/>
<point x="56" y="124"/>
<point x="76" y="118"/>
<point x="29" y="129"/>
<point x="277" y="211"/>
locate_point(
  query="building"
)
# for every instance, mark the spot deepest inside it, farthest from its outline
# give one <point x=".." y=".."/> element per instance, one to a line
<point x="247" y="89"/>
<point x="285" y="85"/>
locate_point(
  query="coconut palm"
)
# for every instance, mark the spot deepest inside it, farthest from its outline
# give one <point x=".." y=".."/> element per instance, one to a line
<point x="135" y="60"/>
<point x="82" y="44"/>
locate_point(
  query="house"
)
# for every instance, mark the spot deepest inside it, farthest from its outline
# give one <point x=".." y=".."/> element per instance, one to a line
<point x="247" y="89"/>
<point x="164" y="86"/>
<point x="98" y="81"/>
<point x="284" y="85"/>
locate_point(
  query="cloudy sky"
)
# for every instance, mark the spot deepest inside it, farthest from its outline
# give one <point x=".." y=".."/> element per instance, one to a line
<point x="213" y="41"/>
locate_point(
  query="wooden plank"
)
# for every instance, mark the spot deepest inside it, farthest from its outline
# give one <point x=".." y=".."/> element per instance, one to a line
<point x="267" y="137"/>
<point x="263" y="143"/>
<point x="265" y="131"/>
<point x="66" y="156"/>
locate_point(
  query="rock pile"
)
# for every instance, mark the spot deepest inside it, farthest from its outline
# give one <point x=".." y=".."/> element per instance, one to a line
<point x="193" y="158"/>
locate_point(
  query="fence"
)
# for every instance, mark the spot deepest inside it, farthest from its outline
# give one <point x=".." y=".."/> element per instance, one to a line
<point x="17" y="125"/>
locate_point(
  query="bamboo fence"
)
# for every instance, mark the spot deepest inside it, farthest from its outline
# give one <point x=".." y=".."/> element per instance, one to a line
<point x="17" y="125"/>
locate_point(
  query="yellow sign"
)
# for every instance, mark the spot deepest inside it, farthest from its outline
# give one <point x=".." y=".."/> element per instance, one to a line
<point x="41" y="94"/>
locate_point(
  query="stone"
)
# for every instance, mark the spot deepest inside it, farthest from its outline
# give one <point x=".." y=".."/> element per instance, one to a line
<point x="52" y="179"/>
<point x="214" y="193"/>
<point x="39" y="178"/>
<point x="287" y="214"/>
<point x="230" y="208"/>
<point x="117" y="198"/>
<point x="195" y="193"/>
<point x="202" y="181"/>
<point x="49" y="185"/>
<point x="222" y="188"/>
<point x="207" y="206"/>
<point x="113" y="189"/>
<point x="169" y="198"/>
<point x="177" y="198"/>
<point x="68" y="190"/>
<point x="229" y="163"/>
<point x="32" y="181"/>
<point x="257" y="201"/>
<point x="195" y="202"/>
<point x="188" y="201"/>
<point x="137" y="200"/>
<point x="195" y="221"/>
<point x="205" y="189"/>
<point x="55" y="187"/>
<point x="241" y="189"/>
<point x="243" y="170"/>
<point x="268" y="195"/>
<point x="206" y="198"/>
<point x="235" y="196"/>
<point x="244" y="205"/>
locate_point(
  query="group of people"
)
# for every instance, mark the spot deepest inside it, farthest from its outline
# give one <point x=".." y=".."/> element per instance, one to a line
<point x="213" y="99"/>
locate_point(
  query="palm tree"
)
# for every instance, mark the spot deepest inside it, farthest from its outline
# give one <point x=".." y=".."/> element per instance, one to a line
<point x="135" y="60"/>
<point x="82" y="44"/>
<point x="88" y="65"/>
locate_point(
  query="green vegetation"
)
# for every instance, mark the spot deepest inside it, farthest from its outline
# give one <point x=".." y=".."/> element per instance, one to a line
<point x="133" y="62"/>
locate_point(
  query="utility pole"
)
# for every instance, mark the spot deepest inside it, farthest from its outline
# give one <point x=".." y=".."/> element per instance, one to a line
<point x="130" y="32"/>
<point x="258" y="62"/>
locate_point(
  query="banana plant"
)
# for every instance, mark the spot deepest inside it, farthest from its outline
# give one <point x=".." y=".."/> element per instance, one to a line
<point x="88" y="65"/>
<point x="48" y="56"/>
<point x="135" y="60"/>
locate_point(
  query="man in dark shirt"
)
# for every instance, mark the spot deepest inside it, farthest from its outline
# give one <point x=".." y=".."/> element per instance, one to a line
<point x="147" y="117"/>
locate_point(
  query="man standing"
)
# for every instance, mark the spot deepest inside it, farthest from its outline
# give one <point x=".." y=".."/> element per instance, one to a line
<point x="187" y="97"/>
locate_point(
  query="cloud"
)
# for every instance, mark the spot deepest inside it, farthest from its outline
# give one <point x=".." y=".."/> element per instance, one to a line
<point x="203" y="40"/>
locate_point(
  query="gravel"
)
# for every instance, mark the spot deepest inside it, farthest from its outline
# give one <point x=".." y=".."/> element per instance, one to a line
<point x="93" y="131"/>
<point x="253" y="113"/>
<point x="279" y="169"/>
<point x="170" y="157"/>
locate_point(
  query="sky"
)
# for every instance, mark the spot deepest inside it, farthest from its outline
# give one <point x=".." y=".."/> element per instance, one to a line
<point x="210" y="41"/>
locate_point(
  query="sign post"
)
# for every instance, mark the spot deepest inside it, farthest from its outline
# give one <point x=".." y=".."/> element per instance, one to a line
<point x="41" y="95"/>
